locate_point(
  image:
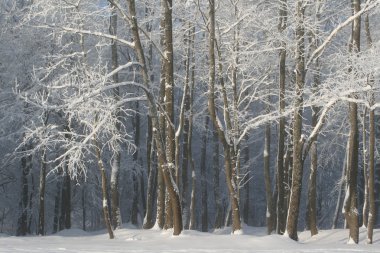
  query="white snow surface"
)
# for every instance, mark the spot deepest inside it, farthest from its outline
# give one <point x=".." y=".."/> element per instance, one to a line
<point x="159" y="241"/>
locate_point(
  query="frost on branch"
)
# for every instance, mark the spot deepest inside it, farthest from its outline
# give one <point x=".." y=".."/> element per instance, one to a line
<point x="78" y="99"/>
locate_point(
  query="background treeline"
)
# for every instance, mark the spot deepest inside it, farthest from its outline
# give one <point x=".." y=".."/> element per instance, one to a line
<point x="189" y="115"/>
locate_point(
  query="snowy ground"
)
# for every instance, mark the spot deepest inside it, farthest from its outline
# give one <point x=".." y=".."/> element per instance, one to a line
<point x="142" y="241"/>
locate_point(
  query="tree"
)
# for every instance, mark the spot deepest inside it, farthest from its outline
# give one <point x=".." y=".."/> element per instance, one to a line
<point x="230" y="166"/>
<point x="350" y="205"/>
<point x="115" y="173"/>
<point x="296" y="187"/>
<point x="281" y="210"/>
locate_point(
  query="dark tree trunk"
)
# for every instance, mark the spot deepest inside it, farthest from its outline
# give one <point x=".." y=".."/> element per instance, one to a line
<point x="56" y="206"/>
<point x="41" y="219"/>
<point x="246" y="183"/>
<point x="22" y="224"/>
<point x="204" y="178"/>
<point x="281" y="209"/>
<point x="267" y="179"/>
<point x="219" y="208"/>
<point x="84" y="216"/>
<point x="65" y="218"/>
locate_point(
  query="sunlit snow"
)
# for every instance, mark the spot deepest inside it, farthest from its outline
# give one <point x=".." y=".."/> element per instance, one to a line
<point x="136" y="240"/>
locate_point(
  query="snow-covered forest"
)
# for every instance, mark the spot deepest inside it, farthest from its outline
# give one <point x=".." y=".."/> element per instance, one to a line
<point x="190" y="115"/>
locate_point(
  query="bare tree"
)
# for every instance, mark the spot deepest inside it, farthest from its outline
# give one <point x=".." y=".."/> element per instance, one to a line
<point x="350" y="205"/>
<point x="295" y="195"/>
<point x="281" y="210"/>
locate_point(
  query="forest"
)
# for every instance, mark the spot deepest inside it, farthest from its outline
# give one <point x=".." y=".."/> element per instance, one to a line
<point x="190" y="115"/>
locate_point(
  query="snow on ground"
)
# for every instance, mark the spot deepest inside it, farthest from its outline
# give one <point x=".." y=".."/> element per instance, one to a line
<point x="156" y="241"/>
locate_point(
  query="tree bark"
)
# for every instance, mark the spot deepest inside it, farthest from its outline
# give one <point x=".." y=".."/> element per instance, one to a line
<point x="204" y="178"/>
<point x="247" y="201"/>
<point x="102" y="170"/>
<point x="153" y="112"/>
<point x="295" y="195"/>
<point x="350" y="206"/>
<point x="84" y="214"/>
<point x="365" y="174"/>
<point x="135" y="172"/>
<point x="41" y="219"/>
<point x="371" y="178"/>
<point x="311" y="212"/>
<point x="22" y="223"/>
<point x="65" y="218"/>
<point x="218" y="201"/>
<point x="56" y="206"/>
<point x="229" y="153"/>
<point x="152" y="179"/>
<point x="193" y="218"/>
<point x="281" y="209"/>
<point x="372" y="136"/>
<point x="115" y="168"/>
<point x="268" y="188"/>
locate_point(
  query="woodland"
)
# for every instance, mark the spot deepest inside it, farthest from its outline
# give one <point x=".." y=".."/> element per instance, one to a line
<point x="189" y="115"/>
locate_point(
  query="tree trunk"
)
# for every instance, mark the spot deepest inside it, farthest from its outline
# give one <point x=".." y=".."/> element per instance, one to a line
<point x="65" y="218"/>
<point x="365" y="175"/>
<point x="342" y="187"/>
<point x="192" y="222"/>
<point x="56" y="206"/>
<point x="295" y="196"/>
<point x="204" y="178"/>
<point x="161" y="205"/>
<point x="372" y="136"/>
<point x="218" y="201"/>
<point x="102" y="170"/>
<point x="185" y="166"/>
<point x="115" y="168"/>
<point x="193" y="218"/>
<point x="281" y="209"/>
<point x="229" y="153"/>
<point x="350" y="206"/>
<point x="268" y="188"/>
<point x="41" y="220"/>
<point x="31" y="197"/>
<point x="247" y="182"/>
<point x="169" y="100"/>
<point x="152" y="177"/>
<point x="153" y="112"/>
<point x="22" y="223"/>
<point x="135" y="172"/>
<point x="371" y="178"/>
<point x="311" y="212"/>
<point x="84" y="216"/>
<point x="160" y="214"/>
